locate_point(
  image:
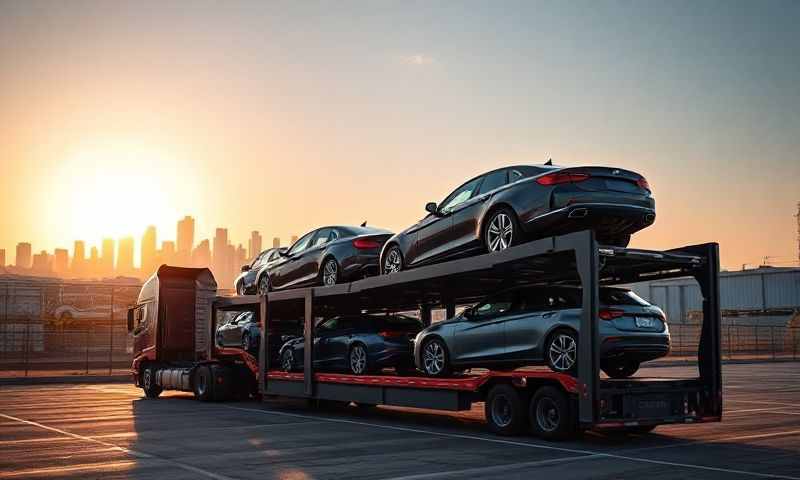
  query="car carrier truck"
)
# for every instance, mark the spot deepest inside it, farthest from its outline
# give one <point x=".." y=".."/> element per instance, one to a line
<point x="174" y="319"/>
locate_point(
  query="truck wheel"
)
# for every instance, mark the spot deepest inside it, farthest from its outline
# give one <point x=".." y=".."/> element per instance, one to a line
<point x="203" y="384"/>
<point x="550" y="414"/>
<point x="149" y="385"/>
<point x="621" y="370"/>
<point x="505" y="410"/>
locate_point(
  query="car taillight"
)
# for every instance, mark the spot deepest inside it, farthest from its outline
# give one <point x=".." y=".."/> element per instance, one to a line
<point x="366" y="243"/>
<point x="392" y="334"/>
<point x="610" y="313"/>
<point x="642" y="182"/>
<point x="561" y="177"/>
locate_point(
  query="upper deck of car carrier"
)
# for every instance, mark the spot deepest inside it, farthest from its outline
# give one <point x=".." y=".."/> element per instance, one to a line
<point x="573" y="259"/>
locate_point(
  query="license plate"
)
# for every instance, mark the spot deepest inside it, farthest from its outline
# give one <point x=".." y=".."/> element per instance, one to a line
<point x="654" y="407"/>
<point x="644" y="322"/>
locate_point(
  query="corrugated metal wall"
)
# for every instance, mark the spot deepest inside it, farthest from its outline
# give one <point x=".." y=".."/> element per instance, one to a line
<point x="762" y="289"/>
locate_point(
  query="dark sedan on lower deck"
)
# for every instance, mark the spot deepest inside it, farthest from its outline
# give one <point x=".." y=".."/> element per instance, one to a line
<point x="504" y="207"/>
<point x="357" y="344"/>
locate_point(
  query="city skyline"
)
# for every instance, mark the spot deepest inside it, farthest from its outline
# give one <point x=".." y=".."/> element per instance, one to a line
<point x="232" y="115"/>
<point x="115" y="257"/>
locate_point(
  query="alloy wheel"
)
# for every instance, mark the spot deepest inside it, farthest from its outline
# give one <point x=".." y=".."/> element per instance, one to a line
<point x="500" y="233"/>
<point x="263" y="285"/>
<point x="288" y="361"/>
<point x="563" y="352"/>
<point x="393" y="262"/>
<point x="433" y="358"/>
<point x="330" y="273"/>
<point x="358" y="359"/>
<point x="547" y="414"/>
<point x="147" y="379"/>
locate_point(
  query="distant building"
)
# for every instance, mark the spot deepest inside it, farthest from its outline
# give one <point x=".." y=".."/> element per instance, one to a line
<point x="149" y="252"/>
<point x="2" y="257"/>
<point x="61" y="261"/>
<point x="79" y="259"/>
<point x="168" y="255"/>
<point x="24" y="259"/>
<point x="107" y="257"/>
<point x="42" y="263"/>
<point x="94" y="262"/>
<point x="241" y="258"/>
<point x="294" y="239"/>
<point x="220" y="261"/>
<point x="254" y="244"/>
<point x="276" y="242"/>
<point x="185" y="240"/>
<point x="125" y="257"/>
<point x="763" y="296"/>
<point x="201" y="256"/>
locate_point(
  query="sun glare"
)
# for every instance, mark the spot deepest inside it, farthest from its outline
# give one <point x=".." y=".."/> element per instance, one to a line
<point x="116" y="191"/>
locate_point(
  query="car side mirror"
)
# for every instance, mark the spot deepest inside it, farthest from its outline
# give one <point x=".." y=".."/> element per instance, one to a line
<point x="283" y="253"/>
<point x="130" y="319"/>
<point x="245" y="268"/>
<point x="430" y="207"/>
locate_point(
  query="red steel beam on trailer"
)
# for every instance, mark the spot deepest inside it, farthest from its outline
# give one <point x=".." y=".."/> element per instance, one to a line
<point x="468" y="383"/>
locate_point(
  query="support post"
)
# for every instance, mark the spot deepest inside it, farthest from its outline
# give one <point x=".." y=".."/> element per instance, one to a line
<point x="308" y="351"/>
<point x="425" y="314"/>
<point x="709" y="357"/>
<point x="263" y="348"/>
<point x="450" y="309"/>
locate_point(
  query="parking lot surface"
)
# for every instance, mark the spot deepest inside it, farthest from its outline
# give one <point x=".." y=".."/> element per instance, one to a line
<point x="111" y="431"/>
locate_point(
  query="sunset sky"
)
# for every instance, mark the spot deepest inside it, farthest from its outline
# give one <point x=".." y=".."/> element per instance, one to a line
<point x="283" y="116"/>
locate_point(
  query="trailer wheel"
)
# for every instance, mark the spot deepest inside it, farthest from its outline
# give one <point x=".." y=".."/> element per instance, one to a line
<point x="550" y="414"/>
<point x="505" y="410"/>
<point x="149" y="385"/>
<point x="203" y="384"/>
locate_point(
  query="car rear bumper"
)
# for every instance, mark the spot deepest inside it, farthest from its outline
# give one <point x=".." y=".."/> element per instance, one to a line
<point x="603" y="218"/>
<point x="637" y="348"/>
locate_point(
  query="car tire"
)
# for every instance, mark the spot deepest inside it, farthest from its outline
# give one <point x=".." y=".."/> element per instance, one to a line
<point x="621" y="369"/>
<point x="202" y="384"/>
<point x="501" y="230"/>
<point x="330" y="272"/>
<point x="551" y="416"/>
<point x="435" y="359"/>
<point x="561" y="351"/>
<point x="358" y="359"/>
<point x="263" y="285"/>
<point x="393" y="261"/>
<point x="149" y="385"/>
<point x="287" y="360"/>
<point x="506" y="410"/>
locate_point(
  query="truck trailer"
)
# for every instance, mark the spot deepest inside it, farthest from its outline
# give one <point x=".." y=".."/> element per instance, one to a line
<point x="174" y="319"/>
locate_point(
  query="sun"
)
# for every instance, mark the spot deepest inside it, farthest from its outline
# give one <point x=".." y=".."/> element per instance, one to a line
<point x="115" y="190"/>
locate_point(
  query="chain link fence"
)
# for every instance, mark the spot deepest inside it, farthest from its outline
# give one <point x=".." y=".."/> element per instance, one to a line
<point x="61" y="328"/>
<point x="55" y="329"/>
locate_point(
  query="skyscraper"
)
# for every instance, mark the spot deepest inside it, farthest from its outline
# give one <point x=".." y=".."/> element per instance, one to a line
<point x="241" y="258"/>
<point x="201" y="256"/>
<point x="23" y="255"/>
<point x="125" y="257"/>
<point x="168" y="254"/>
<point x="276" y="242"/>
<point x="94" y="262"/>
<point x="254" y="244"/>
<point x="220" y="258"/>
<point x="2" y="257"/>
<point x="107" y="257"/>
<point x="79" y="259"/>
<point x="61" y="261"/>
<point x="185" y="241"/>
<point x="149" y="253"/>
<point x="294" y="239"/>
<point x="42" y="263"/>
